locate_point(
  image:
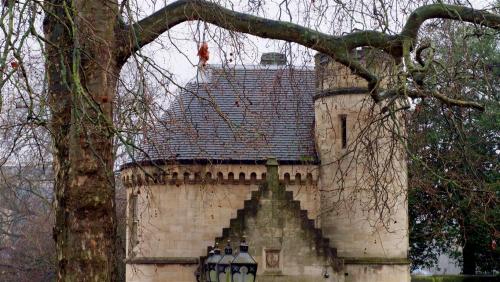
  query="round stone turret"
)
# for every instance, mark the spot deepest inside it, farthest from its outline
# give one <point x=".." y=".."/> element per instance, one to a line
<point x="363" y="175"/>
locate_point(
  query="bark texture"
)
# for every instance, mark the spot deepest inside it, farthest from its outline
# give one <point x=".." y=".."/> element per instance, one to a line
<point x="82" y="74"/>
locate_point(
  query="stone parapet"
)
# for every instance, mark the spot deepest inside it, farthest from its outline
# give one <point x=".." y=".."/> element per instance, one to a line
<point x="225" y="174"/>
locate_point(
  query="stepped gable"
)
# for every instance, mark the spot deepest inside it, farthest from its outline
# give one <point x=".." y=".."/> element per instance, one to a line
<point x="236" y="228"/>
<point x="273" y="208"/>
<point x="238" y="115"/>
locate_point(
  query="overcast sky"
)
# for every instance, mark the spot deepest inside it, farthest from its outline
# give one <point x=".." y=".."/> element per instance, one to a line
<point x="176" y="51"/>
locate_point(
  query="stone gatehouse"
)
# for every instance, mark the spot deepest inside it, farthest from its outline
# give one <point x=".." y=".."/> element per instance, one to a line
<point x="205" y="170"/>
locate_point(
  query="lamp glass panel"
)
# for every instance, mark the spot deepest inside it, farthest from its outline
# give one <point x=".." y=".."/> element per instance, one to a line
<point x="213" y="275"/>
<point x="225" y="276"/>
<point x="243" y="275"/>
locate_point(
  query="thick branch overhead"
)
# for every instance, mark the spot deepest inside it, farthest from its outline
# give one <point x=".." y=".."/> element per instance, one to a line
<point x="338" y="47"/>
<point x="452" y="12"/>
<point x="150" y="28"/>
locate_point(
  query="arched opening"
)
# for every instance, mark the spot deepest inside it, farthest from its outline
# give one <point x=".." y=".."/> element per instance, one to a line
<point x="286" y="178"/>
<point x="298" y="178"/>
<point x="253" y="177"/>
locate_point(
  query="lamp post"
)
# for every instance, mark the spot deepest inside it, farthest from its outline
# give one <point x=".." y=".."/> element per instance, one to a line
<point x="224" y="265"/>
<point x="212" y="264"/>
<point x="243" y="266"/>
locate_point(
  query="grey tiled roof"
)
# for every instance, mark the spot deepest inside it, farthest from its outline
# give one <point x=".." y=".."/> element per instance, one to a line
<point x="239" y="115"/>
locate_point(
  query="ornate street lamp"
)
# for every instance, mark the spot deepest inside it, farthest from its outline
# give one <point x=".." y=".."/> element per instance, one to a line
<point x="212" y="264"/>
<point x="205" y="266"/>
<point x="243" y="266"/>
<point x="224" y="265"/>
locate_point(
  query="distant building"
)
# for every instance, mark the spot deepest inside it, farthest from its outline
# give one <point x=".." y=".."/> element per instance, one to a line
<point x="199" y="179"/>
<point x="444" y="265"/>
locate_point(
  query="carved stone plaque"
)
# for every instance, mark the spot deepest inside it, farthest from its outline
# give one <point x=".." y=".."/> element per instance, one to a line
<point x="273" y="259"/>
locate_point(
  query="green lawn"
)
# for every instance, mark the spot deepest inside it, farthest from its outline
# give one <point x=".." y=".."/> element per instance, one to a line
<point x="454" y="278"/>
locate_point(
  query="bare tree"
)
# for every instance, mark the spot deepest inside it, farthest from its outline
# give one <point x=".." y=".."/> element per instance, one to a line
<point x="26" y="220"/>
<point x="86" y="44"/>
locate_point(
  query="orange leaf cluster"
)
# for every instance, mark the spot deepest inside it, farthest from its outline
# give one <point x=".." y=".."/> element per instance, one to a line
<point x="203" y="53"/>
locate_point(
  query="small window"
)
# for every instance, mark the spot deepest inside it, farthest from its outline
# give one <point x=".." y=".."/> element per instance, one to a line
<point x="343" y="130"/>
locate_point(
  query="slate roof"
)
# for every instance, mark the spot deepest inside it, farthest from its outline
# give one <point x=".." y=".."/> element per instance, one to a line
<point x="239" y="115"/>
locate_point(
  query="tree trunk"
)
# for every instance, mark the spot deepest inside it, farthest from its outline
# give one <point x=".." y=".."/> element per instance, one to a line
<point x="469" y="247"/>
<point x="469" y="259"/>
<point x="82" y="73"/>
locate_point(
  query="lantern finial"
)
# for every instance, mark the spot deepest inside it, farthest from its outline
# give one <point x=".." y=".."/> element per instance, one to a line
<point x="243" y="244"/>
<point x="228" y="250"/>
<point x="211" y="264"/>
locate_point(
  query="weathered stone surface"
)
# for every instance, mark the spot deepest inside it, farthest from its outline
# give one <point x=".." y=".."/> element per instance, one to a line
<point x="283" y="240"/>
<point x="364" y="183"/>
<point x="160" y="273"/>
<point x="181" y="217"/>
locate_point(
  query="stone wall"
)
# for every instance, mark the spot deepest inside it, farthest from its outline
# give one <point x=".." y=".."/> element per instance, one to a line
<point x="376" y="272"/>
<point x="182" y="209"/>
<point x="161" y="272"/>
<point x="332" y="76"/>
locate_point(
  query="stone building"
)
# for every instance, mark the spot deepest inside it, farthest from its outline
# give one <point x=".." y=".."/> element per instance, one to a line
<point x="278" y="154"/>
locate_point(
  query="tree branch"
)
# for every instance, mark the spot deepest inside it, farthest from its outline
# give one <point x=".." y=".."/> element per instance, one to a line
<point x="391" y="93"/>
<point x="338" y="47"/>
<point x="148" y="29"/>
<point x="151" y="27"/>
<point x="451" y="12"/>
